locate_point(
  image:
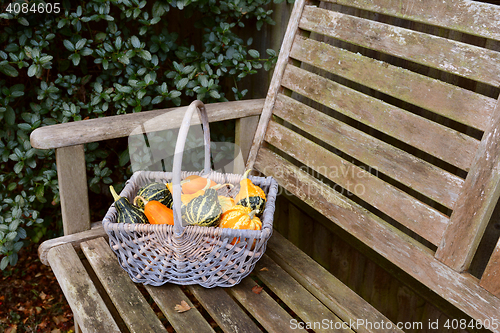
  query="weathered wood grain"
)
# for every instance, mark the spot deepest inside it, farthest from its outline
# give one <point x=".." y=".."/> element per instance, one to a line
<point x="419" y="175"/>
<point x="471" y="17"/>
<point x="444" y="54"/>
<point x="167" y="297"/>
<point x="89" y="309"/>
<point x="473" y="209"/>
<point x="297" y="298"/>
<point x="263" y="308"/>
<point x="91" y="130"/>
<point x="447" y="144"/>
<point x="490" y="280"/>
<point x="410" y="212"/>
<point x="460" y="289"/>
<point x="73" y="239"/>
<point x="72" y="178"/>
<point x="339" y="298"/>
<point x="128" y="300"/>
<point x="224" y="310"/>
<point x="461" y="105"/>
<point x="275" y="85"/>
<point x="344" y="258"/>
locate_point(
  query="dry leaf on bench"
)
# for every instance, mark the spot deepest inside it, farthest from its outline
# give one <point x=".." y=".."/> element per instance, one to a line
<point x="263" y="269"/>
<point x="257" y="289"/>
<point x="183" y="307"/>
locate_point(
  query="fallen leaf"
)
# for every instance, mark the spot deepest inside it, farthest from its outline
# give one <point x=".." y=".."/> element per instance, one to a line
<point x="183" y="307"/>
<point x="12" y="329"/>
<point x="263" y="269"/>
<point x="55" y="331"/>
<point x="257" y="289"/>
<point x="42" y="295"/>
<point x="59" y="319"/>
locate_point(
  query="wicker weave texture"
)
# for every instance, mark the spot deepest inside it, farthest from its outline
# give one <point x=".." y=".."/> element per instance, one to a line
<point x="155" y="255"/>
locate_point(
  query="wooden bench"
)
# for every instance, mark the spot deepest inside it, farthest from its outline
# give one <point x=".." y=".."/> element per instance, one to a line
<point x="376" y="117"/>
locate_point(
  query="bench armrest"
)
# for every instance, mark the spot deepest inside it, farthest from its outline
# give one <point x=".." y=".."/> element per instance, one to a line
<point x="85" y="131"/>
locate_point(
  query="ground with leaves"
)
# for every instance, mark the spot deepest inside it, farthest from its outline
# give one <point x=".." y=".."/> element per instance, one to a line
<point x="30" y="298"/>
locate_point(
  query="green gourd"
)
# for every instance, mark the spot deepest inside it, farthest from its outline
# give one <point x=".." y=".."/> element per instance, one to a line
<point x="127" y="213"/>
<point x="155" y="191"/>
<point x="203" y="210"/>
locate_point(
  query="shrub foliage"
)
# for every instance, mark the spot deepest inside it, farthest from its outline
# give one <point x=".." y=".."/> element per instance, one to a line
<point x="101" y="58"/>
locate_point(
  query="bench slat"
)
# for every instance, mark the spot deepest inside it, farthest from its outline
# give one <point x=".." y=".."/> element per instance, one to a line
<point x="482" y="64"/>
<point x="79" y="290"/>
<point x="224" y="310"/>
<point x="447" y="144"/>
<point x="460" y="289"/>
<point x="421" y="176"/>
<point x="130" y="303"/>
<point x="166" y="297"/>
<point x="412" y="213"/>
<point x="298" y="299"/>
<point x="263" y="308"/>
<point x="439" y="97"/>
<point x="339" y="298"/>
<point x="476" y="18"/>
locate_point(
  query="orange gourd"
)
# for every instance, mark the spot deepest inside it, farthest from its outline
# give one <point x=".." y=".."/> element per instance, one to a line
<point x="240" y="217"/>
<point x="194" y="183"/>
<point x="156" y="212"/>
<point x="250" y="195"/>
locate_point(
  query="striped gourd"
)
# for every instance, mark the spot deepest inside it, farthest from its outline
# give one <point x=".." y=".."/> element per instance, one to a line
<point x="127" y="213"/>
<point x="155" y="191"/>
<point x="204" y="209"/>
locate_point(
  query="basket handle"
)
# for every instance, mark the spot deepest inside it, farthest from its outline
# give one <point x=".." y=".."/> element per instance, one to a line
<point x="179" y="150"/>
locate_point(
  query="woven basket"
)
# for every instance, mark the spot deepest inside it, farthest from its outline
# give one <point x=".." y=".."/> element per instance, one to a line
<point x="185" y="254"/>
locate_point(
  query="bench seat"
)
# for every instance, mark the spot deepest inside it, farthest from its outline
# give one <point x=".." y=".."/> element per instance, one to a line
<point x="297" y="294"/>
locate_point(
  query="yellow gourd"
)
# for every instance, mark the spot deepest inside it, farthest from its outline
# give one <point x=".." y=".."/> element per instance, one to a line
<point x="250" y="195"/>
<point x="240" y="217"/>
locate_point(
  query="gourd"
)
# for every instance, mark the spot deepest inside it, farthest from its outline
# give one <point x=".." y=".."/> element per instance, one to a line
<point x="155" y="211"/>
<point x="203" y="209"/>
<point x="187" y="197"/>
<point x="240" y="217"/>
<point x="250" y="195"/>
<point x="127" y="213"/>
<point x="226" y="203"/>
<point x="155" y="191"/>
<point x="194" y="183"/>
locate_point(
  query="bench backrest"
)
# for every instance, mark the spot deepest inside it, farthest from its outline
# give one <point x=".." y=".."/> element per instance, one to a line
<point x="379" y="118"/>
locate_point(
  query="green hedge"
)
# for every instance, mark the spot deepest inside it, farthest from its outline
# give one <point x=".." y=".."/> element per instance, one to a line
<point x="99" y="59"/>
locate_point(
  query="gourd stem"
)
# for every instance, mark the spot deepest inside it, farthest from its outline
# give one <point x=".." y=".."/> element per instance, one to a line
<point x="144" y="201"/>
<point x="252" y="213"/>
<point x="245" y="175"/>
<point x="218" y="186"/>
<point x="113" y="193"/>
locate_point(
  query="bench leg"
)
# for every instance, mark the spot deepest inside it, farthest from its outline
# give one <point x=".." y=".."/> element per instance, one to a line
<point x="245" y="130"/>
